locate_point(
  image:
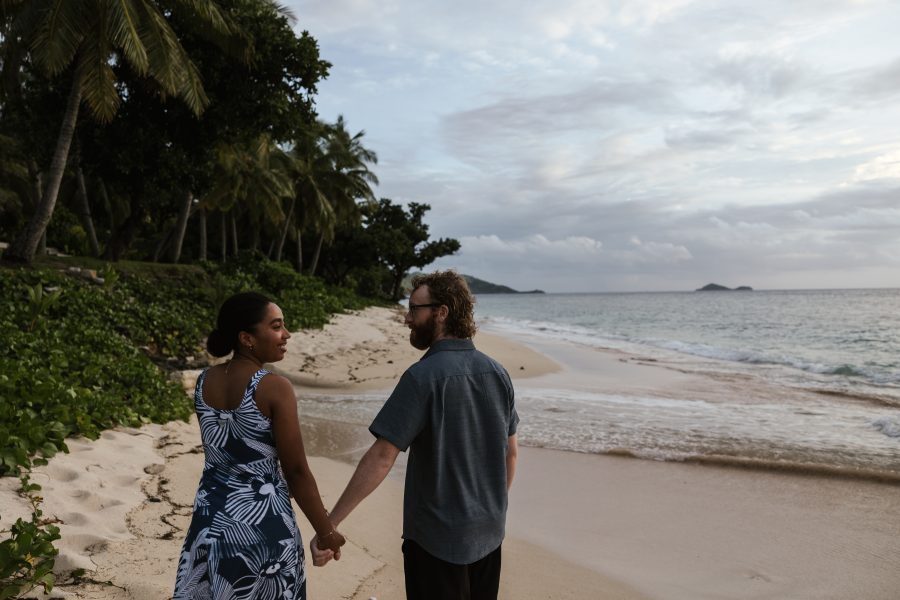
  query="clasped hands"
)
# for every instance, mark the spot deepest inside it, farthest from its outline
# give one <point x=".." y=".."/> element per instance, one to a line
<point x="325" y="548"/>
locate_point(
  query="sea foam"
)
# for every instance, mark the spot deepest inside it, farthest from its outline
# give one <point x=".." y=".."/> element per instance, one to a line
<point x="889" y="426"/>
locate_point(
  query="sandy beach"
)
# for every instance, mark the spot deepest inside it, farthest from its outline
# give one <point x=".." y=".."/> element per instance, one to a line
<point x="580" y="525"/>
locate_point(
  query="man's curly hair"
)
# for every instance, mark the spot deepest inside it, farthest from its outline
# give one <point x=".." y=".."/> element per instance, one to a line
<point x="449" y="287"/>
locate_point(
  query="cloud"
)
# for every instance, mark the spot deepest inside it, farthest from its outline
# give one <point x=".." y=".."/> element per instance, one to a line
<point x="632" y="144"/>
<point x="537" y="248"/>
<point x="884" y="166"/>
<point x="882" y="81"/>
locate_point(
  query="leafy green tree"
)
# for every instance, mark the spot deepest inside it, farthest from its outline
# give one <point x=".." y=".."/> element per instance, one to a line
<point x="157" y="156"/>
<point x="377" y="255"/>
<point x="85" y="39"/>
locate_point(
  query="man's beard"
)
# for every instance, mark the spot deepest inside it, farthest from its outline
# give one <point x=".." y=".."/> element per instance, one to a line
<point x="421" y="336"/>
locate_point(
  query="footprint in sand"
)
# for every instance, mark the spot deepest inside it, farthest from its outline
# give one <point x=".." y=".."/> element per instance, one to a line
<point x="125" y="480"/>
<point x="73" y="519"/>
<point x="91" y="501"/>
<point x="61" y="474"/>
<point x="77" y="446"/>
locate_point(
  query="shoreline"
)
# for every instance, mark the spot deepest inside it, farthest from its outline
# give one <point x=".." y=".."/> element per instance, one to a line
<point x="580" y="525"/>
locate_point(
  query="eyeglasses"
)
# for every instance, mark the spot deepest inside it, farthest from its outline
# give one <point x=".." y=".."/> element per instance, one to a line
<point x="412" y="307"/>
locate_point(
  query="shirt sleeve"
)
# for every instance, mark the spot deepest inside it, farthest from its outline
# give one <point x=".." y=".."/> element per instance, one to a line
<point x="404" y="414"/>
<point x="513" y="425"/>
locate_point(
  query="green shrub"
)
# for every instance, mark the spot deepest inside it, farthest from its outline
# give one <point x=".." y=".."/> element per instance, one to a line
<point x="75" y="373"/>
<point x="306" y="301"/>
<point x="27" y="556"/>
<point x="77" y="358"/>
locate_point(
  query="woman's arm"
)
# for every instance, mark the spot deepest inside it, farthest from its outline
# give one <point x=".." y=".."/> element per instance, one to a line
<point x="278" y="397"/>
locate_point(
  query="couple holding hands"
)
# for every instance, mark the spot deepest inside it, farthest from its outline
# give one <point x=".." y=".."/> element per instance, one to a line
<point x="453" y="410"/>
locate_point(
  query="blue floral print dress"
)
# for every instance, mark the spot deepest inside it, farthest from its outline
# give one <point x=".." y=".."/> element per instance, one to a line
<point x="243" y="541"/>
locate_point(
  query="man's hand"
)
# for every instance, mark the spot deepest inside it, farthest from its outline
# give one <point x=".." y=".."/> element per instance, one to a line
<point x="321" y="557"/>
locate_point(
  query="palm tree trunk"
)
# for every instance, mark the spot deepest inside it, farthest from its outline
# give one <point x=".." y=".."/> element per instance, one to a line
<point x="181" y="225"/>
<point x="164" y="242"/>
<point x="224" y="231"/>
<point x="86" y="213"/>
<point x="37" y="183"/>
<point x="85" y="207"/>
<point x="315" y="260"/>
<point x="37" y="190"/>
<point x="254" y="240"/>
<point x="284" y="231"/>
<point x="234" y="238"/>
<point x="271" y="248"/>
<point x="299" y="251"/>
<point x="25" y="246"/>
<point x="202" y="234"/>
<point x="107" y="205"/>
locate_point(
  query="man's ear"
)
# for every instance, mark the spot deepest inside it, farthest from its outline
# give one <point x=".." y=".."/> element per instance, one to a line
<point x="443" y="313"/>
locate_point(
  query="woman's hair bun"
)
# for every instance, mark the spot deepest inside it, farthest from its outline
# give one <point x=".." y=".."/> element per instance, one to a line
<point x="218" y="344"/>
<point x="241" y="312"/>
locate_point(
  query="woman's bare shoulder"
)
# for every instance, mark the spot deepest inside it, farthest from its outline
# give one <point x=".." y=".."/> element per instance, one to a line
<point x="275" y="387"/>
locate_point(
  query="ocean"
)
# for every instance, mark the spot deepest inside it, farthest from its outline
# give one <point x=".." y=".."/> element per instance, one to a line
<point x="805" y="381"/>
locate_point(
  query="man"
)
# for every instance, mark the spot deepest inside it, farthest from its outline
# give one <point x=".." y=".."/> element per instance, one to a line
<point x="454" y="410"/>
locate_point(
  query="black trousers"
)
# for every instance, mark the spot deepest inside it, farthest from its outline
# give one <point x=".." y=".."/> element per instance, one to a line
<point x="430" y="578"/>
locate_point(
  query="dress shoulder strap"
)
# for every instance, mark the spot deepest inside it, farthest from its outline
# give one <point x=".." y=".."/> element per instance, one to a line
<point x="198" y="387"/>
<point x="254" y="381"/>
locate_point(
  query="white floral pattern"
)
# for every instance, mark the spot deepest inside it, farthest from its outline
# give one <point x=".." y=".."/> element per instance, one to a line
<point x="243" y="542"/>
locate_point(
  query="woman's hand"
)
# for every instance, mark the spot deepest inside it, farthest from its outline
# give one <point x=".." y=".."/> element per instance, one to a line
<point x="331" y="541"/>
<point x="321" y="557"/>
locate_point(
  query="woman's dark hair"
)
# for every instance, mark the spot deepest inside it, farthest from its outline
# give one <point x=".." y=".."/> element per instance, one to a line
<point x="241" y="312"/>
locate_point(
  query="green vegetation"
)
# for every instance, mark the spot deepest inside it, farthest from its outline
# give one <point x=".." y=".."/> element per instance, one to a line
<point x="195" y="150"/>
<point x="28" y="555"/>
<point x="173" y="146"/>
<point x="78" y="357"/>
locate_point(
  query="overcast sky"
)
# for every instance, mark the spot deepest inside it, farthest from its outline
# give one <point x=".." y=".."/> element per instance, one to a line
<point x="589" y="145"/>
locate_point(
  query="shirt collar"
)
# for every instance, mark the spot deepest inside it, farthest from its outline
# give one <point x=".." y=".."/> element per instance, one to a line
<point x="449" y="344"/>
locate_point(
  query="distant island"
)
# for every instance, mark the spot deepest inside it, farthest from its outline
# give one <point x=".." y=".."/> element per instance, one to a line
<point x="715" y="287"/>
<point x="478" y="286"/>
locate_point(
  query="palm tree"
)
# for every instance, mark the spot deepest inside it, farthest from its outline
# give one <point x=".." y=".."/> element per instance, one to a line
<point x="253" y="179"/>
<point x="308" y="205"/>
<point x="348" y="181"/>
<point x="86" y="38"/>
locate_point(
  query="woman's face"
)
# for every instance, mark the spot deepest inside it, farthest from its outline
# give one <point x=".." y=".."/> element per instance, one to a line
<point x="271" y="336"/>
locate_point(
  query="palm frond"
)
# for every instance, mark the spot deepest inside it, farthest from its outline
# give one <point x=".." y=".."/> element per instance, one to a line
<point x="190" y="86"/>
<point x="98" y="80"/>
<point x="210" y="14"/>
<point x="125" y="32"/>
<point x="283" y="10"/>
<point x="160" y="43"/>
<point x="60" y="33"/>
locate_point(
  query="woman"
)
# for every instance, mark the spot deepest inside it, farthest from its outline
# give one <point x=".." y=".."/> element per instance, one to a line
<point x="243" y="541"/>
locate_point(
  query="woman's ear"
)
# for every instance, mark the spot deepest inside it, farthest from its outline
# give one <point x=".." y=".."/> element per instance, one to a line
<point x="246" y="340"/>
